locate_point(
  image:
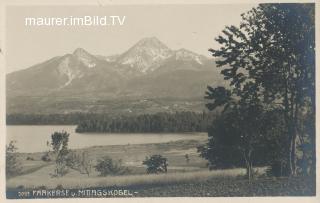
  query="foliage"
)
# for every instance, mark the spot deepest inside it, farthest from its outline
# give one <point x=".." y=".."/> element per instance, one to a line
<point x="270" y="62"/>
<point x="275" y="138"/>
<point x="46" y="157"/>
<point x="156" y="164"/>
<point x="159" y="122"/>
<point x="13" y="166"/>
<point x="59" y="143"/>
<point x="49" y="119"/>
<point x="107" y="166"/>
<point x="235" y="139"/>
<point x="306" y="137"/>
<point x="62" y="162"/>
<point x="79" y="162"/>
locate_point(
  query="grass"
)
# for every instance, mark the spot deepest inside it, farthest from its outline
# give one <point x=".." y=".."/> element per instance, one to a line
<point x="219" y="183"/>
<point x="132" y="157"/>
<point x="122" y="181"/>
<point x="183" y="179"/>
<point x="233" y="187"/>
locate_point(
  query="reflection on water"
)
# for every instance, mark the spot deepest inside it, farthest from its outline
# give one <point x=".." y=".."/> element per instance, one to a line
<point x="35" y="138"/>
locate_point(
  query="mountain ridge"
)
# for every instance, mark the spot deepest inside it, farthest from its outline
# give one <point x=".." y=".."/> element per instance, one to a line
<point x="148" y="69"/>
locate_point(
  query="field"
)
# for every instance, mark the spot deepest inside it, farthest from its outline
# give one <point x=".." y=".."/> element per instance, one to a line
<point x="228" y="186"/>
<point x="130" y="155"/>
<point x="220" y="183"/>
<point x="183" y="178"/>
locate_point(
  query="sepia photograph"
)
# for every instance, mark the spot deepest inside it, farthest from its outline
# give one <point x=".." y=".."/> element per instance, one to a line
<point x="160" y="100"/>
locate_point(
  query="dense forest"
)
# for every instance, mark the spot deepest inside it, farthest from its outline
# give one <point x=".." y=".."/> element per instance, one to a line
<point x="90" y="122"/>
<point x="159" y="122"/>
<point x="50" y="119"/>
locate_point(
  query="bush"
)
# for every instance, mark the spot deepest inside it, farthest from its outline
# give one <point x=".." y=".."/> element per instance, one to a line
<point x="79" y="162"/>
<point x="46" y="157"/>
<point x="59" y="143"/>
<point x="107" y="166"/>
<point x="156" y="164"/>
<point x="13" y="166"/>
<point x="29" y="158"/>
<point x="61" y="162"/>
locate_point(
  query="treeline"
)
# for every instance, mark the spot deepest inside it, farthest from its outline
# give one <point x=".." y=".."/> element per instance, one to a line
<point x="50" y="119"/>
<point x="91" y="122"/>
<point x="159" y="122"/>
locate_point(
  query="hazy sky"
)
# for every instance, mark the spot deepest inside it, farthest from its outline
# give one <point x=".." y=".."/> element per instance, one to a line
<point x="193" y="27"/>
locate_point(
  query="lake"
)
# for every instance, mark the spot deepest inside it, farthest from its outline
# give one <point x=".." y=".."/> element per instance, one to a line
<point x="34" y="138"/>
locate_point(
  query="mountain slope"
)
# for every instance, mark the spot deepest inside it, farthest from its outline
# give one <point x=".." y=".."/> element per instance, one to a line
<point x="149" y="69"/>
<point x="79" y="71"/>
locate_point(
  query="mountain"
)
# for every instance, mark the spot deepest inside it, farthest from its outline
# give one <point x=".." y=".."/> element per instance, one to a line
<point x="79" y="71"/>
<point x="80" y="81"/>
<point x="146" y="55"/>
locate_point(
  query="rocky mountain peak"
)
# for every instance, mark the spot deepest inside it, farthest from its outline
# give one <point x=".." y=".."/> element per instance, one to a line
<point x="151" y="42"/>
<point x="79" y="51"/>
<point x="186" y="55"/>
<point x="146" y="55"/>
<point x="85" y="57"/>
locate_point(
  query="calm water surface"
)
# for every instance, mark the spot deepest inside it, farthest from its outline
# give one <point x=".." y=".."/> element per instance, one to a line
<point x="34" y="138"/>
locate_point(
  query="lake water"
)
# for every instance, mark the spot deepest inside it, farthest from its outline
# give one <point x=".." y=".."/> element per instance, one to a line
<point x="34" y="138"/>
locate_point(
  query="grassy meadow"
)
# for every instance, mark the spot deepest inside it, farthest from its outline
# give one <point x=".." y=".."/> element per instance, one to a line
<point x="131" y="157"/>
<point x="183" y="178"/>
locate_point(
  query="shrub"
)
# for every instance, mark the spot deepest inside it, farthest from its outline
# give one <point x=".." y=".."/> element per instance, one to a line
<point x="59" y="143"/>
<point x="107" y="166"/>
<point x="46" y="157"/>
<point x="13" y="166"/>
<point x="61" y="162"/>
<point x="79" y="162"/>
<point x="29" y="158"/>
<point x="156" y="164"/>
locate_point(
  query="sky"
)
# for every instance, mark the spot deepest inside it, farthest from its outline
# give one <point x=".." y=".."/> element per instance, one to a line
<point x="193" y="27"/>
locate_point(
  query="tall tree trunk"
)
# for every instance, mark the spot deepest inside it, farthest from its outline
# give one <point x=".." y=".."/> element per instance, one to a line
<point x="313" y="155"/>
<point x="295" y="121"/>
<point x="313" y="136"/>
<point x="248" y="161"/>
<point x="293" y="154"/>
<point x="289" y="156"/>
<point x="288" y="123"/>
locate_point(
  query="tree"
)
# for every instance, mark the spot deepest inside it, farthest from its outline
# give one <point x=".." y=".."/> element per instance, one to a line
<point x="274" y="51"/>
<point x="236" y="135"/>
<point x="106" y="166"/>
<point x="13" y="166"/>
<point x="186" y="156"/>
<point x="275" y="139"/>
<point x="156" y="164"/>
<point x="59" y="143"/>
<point x="80" y="162"/>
